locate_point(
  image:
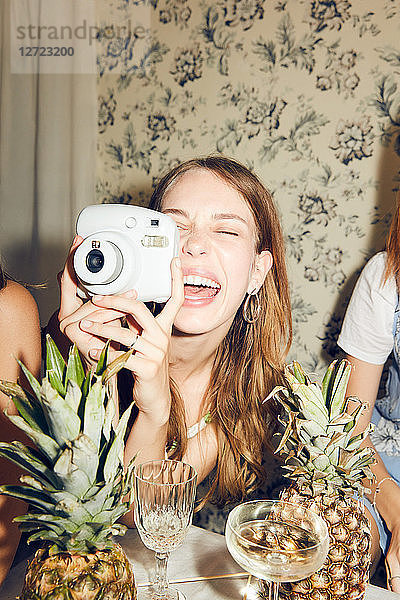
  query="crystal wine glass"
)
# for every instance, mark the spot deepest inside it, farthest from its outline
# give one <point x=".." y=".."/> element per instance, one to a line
<point x="164" y="499"/>
<point x="277" y="541"/>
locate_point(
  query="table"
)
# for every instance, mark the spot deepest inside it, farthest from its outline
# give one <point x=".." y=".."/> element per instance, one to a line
<point x="203" y="554"/>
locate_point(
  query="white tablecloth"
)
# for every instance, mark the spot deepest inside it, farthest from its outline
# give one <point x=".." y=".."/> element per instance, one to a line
<point x="203" y="554"/>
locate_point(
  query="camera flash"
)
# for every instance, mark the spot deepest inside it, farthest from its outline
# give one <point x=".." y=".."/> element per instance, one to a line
<point x="155" y="241"/>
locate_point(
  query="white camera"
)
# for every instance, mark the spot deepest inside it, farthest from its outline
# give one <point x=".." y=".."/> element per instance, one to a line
<point x="125" y="247"/>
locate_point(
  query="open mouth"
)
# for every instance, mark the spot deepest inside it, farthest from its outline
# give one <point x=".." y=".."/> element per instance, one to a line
<point x="197" y="287"/>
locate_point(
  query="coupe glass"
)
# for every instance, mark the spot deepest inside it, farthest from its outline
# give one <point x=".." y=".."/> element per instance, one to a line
<point x="164" y="498"/>
<point x="277" y="541"/>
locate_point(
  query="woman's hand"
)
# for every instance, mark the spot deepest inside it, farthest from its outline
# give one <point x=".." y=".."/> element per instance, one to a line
<point x="73" y="310"/>
<point x="393" y="560"/>
<point x="151" y="339"/>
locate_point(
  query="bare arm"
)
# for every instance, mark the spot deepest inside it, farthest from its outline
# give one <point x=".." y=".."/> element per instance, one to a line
<point x="19" y="338"/>
<point x="364" y="383"/>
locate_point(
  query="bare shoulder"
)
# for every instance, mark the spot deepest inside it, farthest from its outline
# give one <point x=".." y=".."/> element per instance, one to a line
<point x="15" y="293"/>
<point x="15" y="299"/>
<point x="19" y="328"/>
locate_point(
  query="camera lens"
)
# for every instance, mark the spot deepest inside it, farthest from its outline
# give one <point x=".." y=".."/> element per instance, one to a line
<point x="95" y="261"/>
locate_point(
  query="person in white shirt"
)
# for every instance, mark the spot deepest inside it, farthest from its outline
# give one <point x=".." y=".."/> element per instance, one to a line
<point x="370" y="337"/>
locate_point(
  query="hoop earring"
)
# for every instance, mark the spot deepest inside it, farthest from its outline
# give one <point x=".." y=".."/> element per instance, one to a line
<point x="251" y="315"/>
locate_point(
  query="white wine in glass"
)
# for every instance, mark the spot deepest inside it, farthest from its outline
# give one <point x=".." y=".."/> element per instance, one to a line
<point x="277" y="541"/>
<point x="164" y="492"/>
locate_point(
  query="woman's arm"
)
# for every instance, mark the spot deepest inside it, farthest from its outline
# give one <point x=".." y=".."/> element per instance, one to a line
<point x="90" y="324"/>
<point x="364" y="383"/>
<point x="19" y="339"/>
<point x="149" y="363"/>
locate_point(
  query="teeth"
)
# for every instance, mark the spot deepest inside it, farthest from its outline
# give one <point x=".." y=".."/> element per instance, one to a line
<point x="197" y="280"/>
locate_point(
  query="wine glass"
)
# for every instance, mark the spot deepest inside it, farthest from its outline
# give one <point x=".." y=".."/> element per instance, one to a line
<point x="164" y="492"/>
<point x="277" y="541"/>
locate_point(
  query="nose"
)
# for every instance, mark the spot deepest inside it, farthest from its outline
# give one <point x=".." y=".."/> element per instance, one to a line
<point x="195" y="243"/>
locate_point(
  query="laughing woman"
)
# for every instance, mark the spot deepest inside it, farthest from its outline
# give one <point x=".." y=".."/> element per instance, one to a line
<point x="205" y="362"/>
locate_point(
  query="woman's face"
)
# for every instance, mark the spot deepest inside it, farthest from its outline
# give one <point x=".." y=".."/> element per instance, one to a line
<point x="217" y="249"/>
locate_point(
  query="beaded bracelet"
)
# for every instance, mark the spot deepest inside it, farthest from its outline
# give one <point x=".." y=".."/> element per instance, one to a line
<point x="378" y="489"/>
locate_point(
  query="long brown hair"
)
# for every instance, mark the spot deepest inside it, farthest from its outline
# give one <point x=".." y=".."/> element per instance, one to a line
<point x="393" y="247"/>
<point x="4" y="277"/>
<point x="249" y="361"/>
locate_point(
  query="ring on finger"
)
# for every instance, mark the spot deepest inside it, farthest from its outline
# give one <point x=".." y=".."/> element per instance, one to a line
<point x="132" y="345"/>
<point x="391" y="579"/>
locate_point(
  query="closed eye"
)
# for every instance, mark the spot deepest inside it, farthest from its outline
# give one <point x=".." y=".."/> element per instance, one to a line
<point x="228" y="232"/>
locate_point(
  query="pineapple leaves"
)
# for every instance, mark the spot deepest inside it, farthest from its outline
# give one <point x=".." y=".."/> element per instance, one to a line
<point x="321" y="440"/>
<point x="38" y="498"/>
<point x="60" y="373"/>
<point x="77" y="466"/>
<point x="28" y="413"/>
<point x="308" y="395"/>
<point x="327" y="379"/>
<point x="94" y="412"/>
<point x="55" y="364"/>
<point x="45" y="443"/>
<point x="115" y="454"/>
<point x="55" y="382"/>
<point x="110" y="516"/>
<point x="70" y="506"/>
<point x="335" y="387"/>
<point x="299" y="373"/>
<point x="73" y="395"/>
<point x="33" y="382"/>
<point x="75" y="371"/>
<point x="85" y="457"/>
<point x="74" y="479"/>
<point x="108" y="417"/>
<point x="128" y="478"/>
<point x="287" y="433"/>
<point x="25" y="458"/>
<point x="37" y="484"/>
<point x="26" y="404"/>
<point x="59" y="525"/>
<point x="64" y="424"/>
<point x="116" y="365"/>
<point x="103" y="359"/>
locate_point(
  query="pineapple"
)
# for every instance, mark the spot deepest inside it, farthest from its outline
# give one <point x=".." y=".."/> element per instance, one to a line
<point x="327" y="467"/>
<point x="75" y="481"/>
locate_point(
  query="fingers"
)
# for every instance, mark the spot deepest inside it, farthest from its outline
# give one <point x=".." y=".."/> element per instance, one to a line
<point x="394" y="583"/>
<point x="127" y="338"/>
<point x="91" y="312"/>
<point x="139" y="317"/>
<point x="119" y="334"/>
<point x="167" y="316"/>
<point x="393" y="569"/>
<point x="128" y="304"/>
<point x="144" y="363"/>
<point x="69" y="302"/>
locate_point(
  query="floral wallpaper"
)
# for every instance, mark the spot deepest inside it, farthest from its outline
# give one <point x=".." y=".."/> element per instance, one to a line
<point x="304" y="92"/>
